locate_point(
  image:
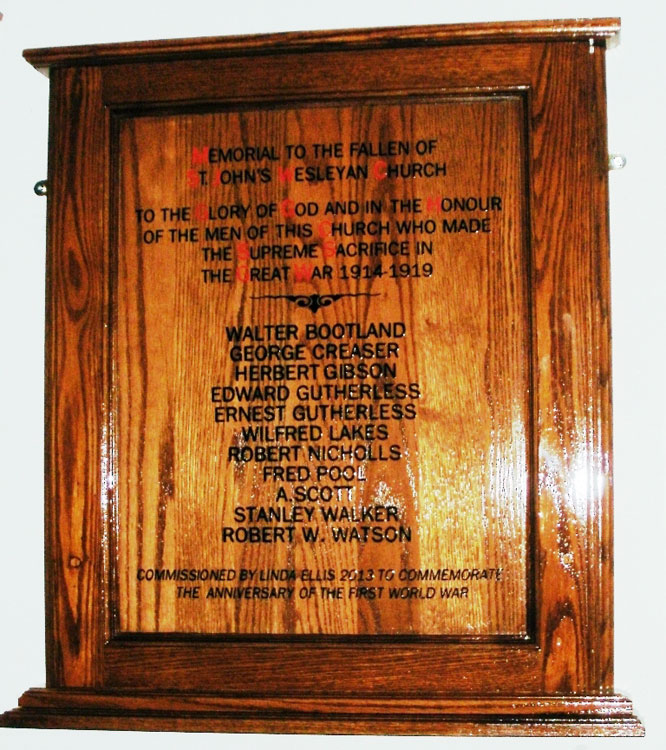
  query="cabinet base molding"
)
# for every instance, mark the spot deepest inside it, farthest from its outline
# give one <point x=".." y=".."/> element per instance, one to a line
<point x="575" y="716"/>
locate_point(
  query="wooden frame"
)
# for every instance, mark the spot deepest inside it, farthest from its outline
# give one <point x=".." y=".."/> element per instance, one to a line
<point x="558" y="679"/>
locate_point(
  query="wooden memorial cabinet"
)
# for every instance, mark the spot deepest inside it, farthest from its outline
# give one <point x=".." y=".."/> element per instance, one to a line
<point x="328" y="384"/>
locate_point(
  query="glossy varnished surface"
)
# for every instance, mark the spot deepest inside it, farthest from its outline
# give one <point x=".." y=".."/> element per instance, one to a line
<point x="533" y="96"/>
<point x="75" y="383"/>
<point x="602" y="29"/>
<point x="525" y="715"/>
<point x="461" y="485"/>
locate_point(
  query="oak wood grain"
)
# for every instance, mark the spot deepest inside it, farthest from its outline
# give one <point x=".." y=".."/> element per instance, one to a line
<point x="519" y="716"/>
<point x="573" y="344"/>
<point x="113" y="408"/>
<point x="398" y="36"/>
<point x="328" y="75"/>
<point x="75" y="387"/>
<point x="463" y="455"/>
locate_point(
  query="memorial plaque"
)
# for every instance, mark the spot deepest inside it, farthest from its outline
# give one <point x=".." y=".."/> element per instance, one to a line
<point x="328" y="411"/>
<point x="299" y="405"/>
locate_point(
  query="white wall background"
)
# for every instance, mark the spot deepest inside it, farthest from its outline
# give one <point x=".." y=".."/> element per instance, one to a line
<point x="636" y="82"/>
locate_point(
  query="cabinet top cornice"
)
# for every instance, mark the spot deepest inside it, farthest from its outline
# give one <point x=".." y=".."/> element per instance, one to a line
<point x="600" y="29"/>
